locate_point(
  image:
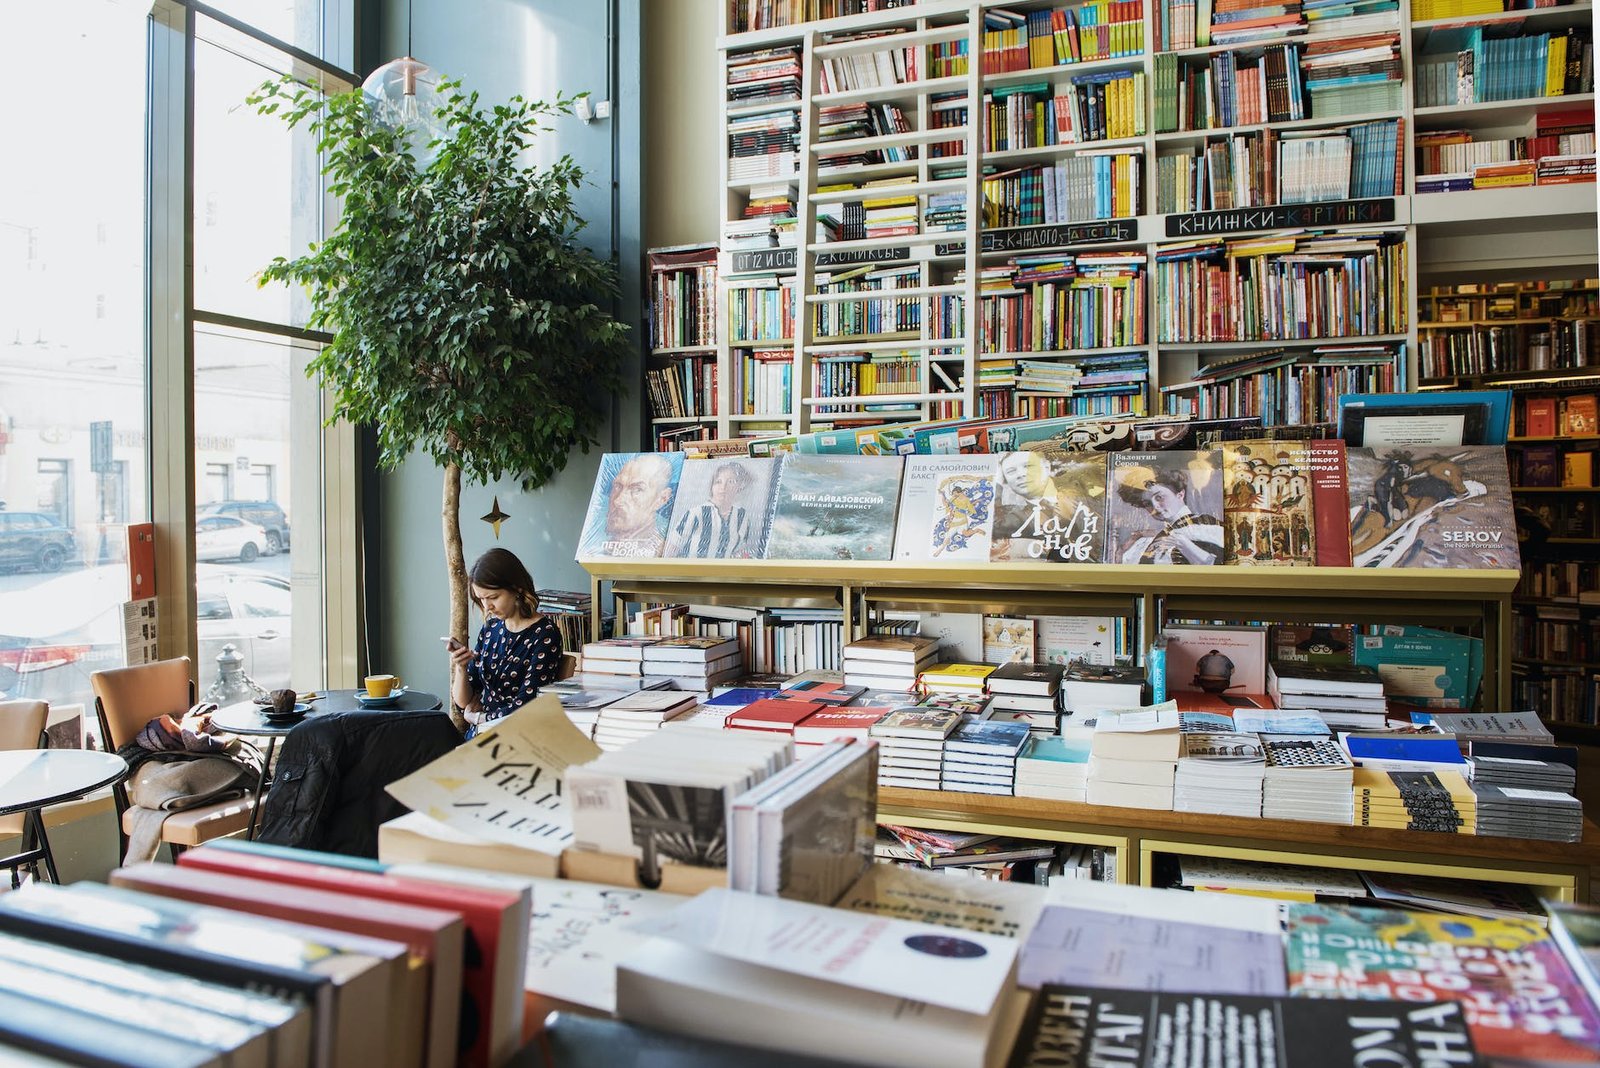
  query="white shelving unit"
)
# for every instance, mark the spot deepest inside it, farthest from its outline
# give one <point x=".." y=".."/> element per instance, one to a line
<point x="1546" y="224"/>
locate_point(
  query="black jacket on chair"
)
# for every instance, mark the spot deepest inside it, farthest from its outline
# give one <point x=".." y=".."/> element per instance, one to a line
<point x="327" y="790"/>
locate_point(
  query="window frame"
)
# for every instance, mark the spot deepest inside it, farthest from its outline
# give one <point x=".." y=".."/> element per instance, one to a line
<point x="171" y="321"/>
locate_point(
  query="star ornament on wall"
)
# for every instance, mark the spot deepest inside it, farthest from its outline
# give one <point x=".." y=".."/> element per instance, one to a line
<point x="495" y="518"/>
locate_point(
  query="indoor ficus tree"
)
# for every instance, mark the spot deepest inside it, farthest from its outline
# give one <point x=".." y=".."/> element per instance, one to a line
<point x="467" y="322"/>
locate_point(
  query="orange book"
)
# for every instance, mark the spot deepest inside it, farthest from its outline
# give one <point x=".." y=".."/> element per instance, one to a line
<point x="141" y="561"/>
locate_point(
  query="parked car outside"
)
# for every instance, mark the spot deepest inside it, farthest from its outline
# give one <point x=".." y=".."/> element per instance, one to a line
<point x="35" y="541"/>
<point x="265" y="514"/>
<point x="226" y="537"/>
<point x="49" y="648"/>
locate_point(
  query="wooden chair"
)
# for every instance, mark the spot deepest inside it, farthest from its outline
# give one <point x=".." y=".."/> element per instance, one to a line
<point x="22" y="727"/>
<point x="125" y="699"/>
<point x="568" y="668"/>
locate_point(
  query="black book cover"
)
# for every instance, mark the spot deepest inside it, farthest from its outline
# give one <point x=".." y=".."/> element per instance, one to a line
<point x="1076" y="1027"/>
<point x="1021" y="671"/>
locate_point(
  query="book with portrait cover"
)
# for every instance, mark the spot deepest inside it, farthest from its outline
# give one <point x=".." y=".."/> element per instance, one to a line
<point x="835" y="508"/>
<point x="946" y="508"/>
<point x="1080" y="1026"/>
<point x="723" y="509"/>
<point x="1432" y="506"/>
<point x="1050" y="507"/>
<point x="1522" y="1001"/>
<point x="631" y="504"/>
<point x="1165" y="507"/>
<point x="1267" y="504"/>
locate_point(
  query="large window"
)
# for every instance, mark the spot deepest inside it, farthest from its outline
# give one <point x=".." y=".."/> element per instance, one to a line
<point x="102" y="315"/>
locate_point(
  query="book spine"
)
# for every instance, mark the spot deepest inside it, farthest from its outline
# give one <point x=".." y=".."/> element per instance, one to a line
<point x="1329" y="503"/>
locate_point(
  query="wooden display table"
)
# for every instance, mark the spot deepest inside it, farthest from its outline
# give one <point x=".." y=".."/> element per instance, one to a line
<point x="1555" y="869"/>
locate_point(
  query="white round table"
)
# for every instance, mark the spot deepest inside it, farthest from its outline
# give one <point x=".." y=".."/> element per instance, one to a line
<point x="30" y="779"/>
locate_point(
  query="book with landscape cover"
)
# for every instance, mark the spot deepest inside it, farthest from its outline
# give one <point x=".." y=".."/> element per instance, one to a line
<point x="631" y="506"/>
<point x="1165" y="507"/>
<point x="1432" y="506"/>
<point x="1085" y="1027"/>
<point x="723" y="508"/>
<point x="1330" y="497"/>
<point x="947" y="508"/>
<point x="1267" y="509"/>
<point x="1522" y="1001"/>
<point x="1051" y="507"/>
<point x="496" y="923"/>
<point x="835" y="508"/>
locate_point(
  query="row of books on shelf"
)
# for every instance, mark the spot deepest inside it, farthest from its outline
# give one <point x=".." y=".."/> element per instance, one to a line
<point x="1476" y="64"/>
<point x="1574" y="581"/>
<point x="1566" y="693"/>
<point x="686" y="388"/>
<point x="1054" y="37"/>
<point x="1490" y="348"/>
<point x="1103" y="106"/>
<point x="1272" y="503"/>
<point x="1294" y="167"/>
<point x="683" y="304"/>
<point x="1555" y="633"/>
<point x="1550" y="467"/>
<point x="1080" y="188"/>
<point x="1184" y="24"/>
<point x="1574" y="415"/>
<point x="1288" y="389"/>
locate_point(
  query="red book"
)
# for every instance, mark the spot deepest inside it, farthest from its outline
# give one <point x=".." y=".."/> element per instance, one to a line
<point x="1539" y="417"/>
<point x="772" y="714"/>
<point x="1330" y="502"/>
<point x="497" y="921"/>
<point x="831" y="723"/>
<point x="426" y="1007"/>
<point x="141" y="561"/>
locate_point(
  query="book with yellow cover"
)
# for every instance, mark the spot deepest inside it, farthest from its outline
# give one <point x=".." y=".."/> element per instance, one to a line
<point x="965" y="676"/>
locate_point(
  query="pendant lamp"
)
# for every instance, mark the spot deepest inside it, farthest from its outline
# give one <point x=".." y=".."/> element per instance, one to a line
<point x="403" y="95"/>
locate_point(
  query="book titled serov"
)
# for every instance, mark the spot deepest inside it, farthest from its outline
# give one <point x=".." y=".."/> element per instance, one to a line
<point x="1432" y="506"/>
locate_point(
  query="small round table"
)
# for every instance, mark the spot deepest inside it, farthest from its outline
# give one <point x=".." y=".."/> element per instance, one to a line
<point x="250" y="719"/>
<point x="30" y="779"/>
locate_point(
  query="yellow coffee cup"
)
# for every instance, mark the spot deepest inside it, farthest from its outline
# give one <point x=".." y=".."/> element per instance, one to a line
<point x="381" y="685"/>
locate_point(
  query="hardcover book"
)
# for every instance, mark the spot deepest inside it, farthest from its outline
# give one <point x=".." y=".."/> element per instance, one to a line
<point x="1063" y="639"/>
<point x="947" y="508"/>
<point x="1432" y="507"/>
<point x="1007" y="640"/>
<point x="1579" y="417"/>
<point x="1330" y="502"/>
<point x="835" y="508"/>
<point x="1330" y="645"/>
<point x="723" y="509"/>
<point x="1541" y="466"/>
<point x="631" y="506"/>
<point x="1522" y="1001"/>
<point x="1081" y="1027"/>
<point x="1216" y="660"/>
<point x="1267" y="504"/>
<point x="1050" y="507"/>
<point x="1165" y="508"/>
<point x="1539" y="417"/>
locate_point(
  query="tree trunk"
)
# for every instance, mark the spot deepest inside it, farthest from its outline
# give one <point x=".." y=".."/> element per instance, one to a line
<point x="455" y="563"/>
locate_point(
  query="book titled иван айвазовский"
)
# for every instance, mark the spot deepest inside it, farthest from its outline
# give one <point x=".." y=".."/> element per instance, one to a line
<point x="835" y="508"/>
<point x="1079" y="1027"/>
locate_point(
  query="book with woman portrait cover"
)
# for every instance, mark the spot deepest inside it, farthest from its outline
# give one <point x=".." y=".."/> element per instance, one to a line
<point x="631" y="504"/>
<point x="1267" y="504"/>
<point x="1165" y="507"/>
<point x="1432" y="506"/>
<point x="946" y="508"/>
<point x="723" y="509"/>
<point x="834" y="508"/>
<point x="1050" y="506"/>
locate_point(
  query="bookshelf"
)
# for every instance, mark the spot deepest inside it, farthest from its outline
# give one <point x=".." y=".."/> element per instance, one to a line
<point x="936" y="134"/>
<point x="681" y="368"/>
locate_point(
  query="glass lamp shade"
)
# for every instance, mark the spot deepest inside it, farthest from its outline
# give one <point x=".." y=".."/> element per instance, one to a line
<point x="403" y="94"/>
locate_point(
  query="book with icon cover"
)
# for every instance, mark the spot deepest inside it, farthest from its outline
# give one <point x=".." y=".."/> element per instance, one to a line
<point x="1267" y="504"/>
<point x="1165" y="507"/>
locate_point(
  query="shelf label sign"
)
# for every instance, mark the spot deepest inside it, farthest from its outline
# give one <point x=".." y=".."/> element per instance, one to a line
<point x="1282" y="217"/>
<point x="1050" y="235"/>
<point x="784" y="259"/>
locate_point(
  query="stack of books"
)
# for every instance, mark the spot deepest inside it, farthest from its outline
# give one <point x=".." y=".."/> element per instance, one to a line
<point x="1347" y="695"/>
<point x="639" y="714"/>
<point x="887" y="662"/>
<point x="1027" y="693"/>
<point x="828" y="724"/>
<point x="980" y="756"/>
<point x="1220" y="773"/>
<point x="698" y="664"/>
<point x="1054" y="768"/>
<point x="807" y="832"/>
<point x="1513" y="812"/>
<point x="1525" y="767"/>
<point x="962" y="680"/>
<point x="1308" y="777"/>
<point x="1415" y="801"/>
<point x="1091" y="688"/>
<point x="911" y="746"/>
<point x="616" y="656"/>
<point x="1134" y="758"/>
<point x="583" y="705"/>
<point x="665" y="799"/>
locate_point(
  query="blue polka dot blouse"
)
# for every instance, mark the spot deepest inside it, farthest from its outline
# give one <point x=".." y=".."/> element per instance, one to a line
<point x="510" y="667"/>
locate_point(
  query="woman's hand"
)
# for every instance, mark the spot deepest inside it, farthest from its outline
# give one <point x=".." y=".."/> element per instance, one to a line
<point x="460" y="655"/>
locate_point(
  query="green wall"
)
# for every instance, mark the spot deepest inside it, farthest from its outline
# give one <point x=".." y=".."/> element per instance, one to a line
<point x="500" y="48"/>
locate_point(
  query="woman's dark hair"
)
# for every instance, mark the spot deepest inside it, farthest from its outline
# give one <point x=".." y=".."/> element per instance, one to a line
<point x="1138" y="494"/>
<point x="499" y="569"/>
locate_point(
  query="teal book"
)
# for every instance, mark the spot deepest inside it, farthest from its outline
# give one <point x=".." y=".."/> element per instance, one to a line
<point x="1430" y="670"/>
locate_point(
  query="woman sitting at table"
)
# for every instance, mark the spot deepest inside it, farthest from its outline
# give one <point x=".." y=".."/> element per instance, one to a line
<point x="518" y="650"/>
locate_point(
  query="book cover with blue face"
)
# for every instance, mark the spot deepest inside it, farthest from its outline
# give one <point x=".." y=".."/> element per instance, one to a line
<point x="631" y="505"/>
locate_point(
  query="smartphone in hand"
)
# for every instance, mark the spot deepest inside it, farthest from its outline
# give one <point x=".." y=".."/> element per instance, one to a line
<point x="451" y="644"/>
